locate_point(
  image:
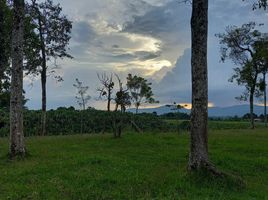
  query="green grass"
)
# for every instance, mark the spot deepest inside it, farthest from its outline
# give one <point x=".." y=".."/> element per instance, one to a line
<point x="138" y="166"/>
<point x="224" y="125"/>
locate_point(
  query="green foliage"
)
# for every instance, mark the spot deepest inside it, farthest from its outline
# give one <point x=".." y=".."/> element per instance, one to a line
<point x="138" y="166"/>
<point x="66" y="121"/>
<point x="184" y="125"/>
<point x="5" y="39"/>
<point x="259" y="4"/>
<point x="52" y="35"/>
<point x="247" y="48"/>
<point x="140" y="91"/>
<point x="5" y="52"/>
<point x="178" y="116"/>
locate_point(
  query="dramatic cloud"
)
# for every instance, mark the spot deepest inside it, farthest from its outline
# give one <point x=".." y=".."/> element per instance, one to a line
<point x="150" y="38"/>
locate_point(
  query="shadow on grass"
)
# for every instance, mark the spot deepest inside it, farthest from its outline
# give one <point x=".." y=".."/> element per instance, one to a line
<point x="20" y="157"/>
<point x="206" y="179"/>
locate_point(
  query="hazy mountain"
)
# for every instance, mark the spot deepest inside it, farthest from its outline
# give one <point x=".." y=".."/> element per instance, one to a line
<point x="231" y="111"/>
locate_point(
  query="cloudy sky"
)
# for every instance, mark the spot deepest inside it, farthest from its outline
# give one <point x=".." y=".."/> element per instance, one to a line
<point x="150" y="38"/>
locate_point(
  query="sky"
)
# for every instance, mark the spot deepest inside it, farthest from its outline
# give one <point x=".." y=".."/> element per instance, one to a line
<point x="149" y="38"/>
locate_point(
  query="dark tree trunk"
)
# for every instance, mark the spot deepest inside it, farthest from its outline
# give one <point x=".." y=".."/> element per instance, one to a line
<point x="43" y="77"/>
<point x="44" y="100"/>
<point x="265" y="99"/>
<point x="199" y="116"/>
<point x="109" y="103"/>
<point x="251" y="102"/>
<point x="137" y="109"/>
<point x="116" y="107"/>
<point x="17" y="146"/>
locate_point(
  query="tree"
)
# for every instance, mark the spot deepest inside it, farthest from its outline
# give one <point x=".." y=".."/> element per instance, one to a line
<point x="54" y="31"/>
<point x="122" y="99"/>
<point x="82" y="99"/>
<point x="29" y="50"/>
<point x="5" y="38"/>
<point x="5" y="53"/>
<point x="260" y="4"/>
<point x="261" y="56"/>
<point x="17" y="146"/>
<point x="199" y="116"/>
<point x="238" y="45"/>
<point x="82" y="96"/>
<point x="140" y="91"/>
<point x="106" y="89"/>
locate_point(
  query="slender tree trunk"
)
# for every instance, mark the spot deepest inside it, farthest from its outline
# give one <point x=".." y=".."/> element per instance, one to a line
<point x="265" y="99"/>
<point x="251" y="102"/>
<point x="199" y="116"/>
<point x="137" y="109"/>
<point x="109" y="103"/>
<point x="43" y="76"/>
<point x="17" y="146"/>
<point x="44" y="100"/>
<point x="116" y="107"/>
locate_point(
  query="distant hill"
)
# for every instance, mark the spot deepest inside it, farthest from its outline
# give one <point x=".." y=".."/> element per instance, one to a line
<point x="231" y="111"/>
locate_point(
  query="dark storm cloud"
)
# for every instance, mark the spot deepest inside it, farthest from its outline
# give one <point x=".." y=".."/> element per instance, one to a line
<point x="115" y="46"/>
<point x="158" y="21"/>
<point x="96" y="49"/>
<point x="83" y="32"/>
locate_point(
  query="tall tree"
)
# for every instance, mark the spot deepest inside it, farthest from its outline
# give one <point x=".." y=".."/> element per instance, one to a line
<point x="54" y="31"/>
<point x="106" y="89"/>
<point x="237" y="44"/>
<point x="199" y="116"/>
<point x="5" y="52"/>
<point x="261" y="57"/>
<point x="30" y="47"/>
<point x="17" y="146"/>
<point x="140" y="91"/>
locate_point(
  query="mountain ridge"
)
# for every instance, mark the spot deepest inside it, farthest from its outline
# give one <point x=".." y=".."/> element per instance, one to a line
<point x="230" y="111"/>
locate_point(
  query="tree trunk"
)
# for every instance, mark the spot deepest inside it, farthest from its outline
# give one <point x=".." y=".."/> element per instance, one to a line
<point x="17" y="146"/>
<point x="265" y="99"/>
<point x="109" y="103"/>
<point x="43" y="77"/>
<point x="251" y="102"/>
<point x="116" y="107"/>
<point x="137" y="109"/>
<point x="44" y="100"/>
<point x="199" y="116"/>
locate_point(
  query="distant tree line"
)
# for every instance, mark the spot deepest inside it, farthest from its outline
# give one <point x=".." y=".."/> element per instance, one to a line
<point x="67" y="121"/>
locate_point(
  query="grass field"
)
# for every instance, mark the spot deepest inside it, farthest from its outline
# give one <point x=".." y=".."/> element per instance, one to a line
<point x="224" y="125"/>
<point x="147" y="166"/>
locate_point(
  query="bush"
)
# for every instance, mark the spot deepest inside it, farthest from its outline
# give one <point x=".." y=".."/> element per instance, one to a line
<point x="65" y="121"/>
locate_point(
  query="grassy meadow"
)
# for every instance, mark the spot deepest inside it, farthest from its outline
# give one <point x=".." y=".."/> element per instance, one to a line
<point x="137" y="166"/>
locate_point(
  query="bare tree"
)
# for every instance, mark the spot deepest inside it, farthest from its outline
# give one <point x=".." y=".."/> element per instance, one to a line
<point x="82" y="96"/>
<point x="82" y="99"/>
<point x="106" y="89"/>
<point x="17" y="146"/>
